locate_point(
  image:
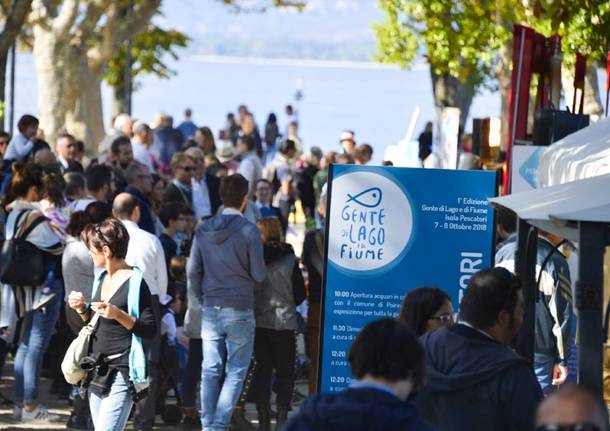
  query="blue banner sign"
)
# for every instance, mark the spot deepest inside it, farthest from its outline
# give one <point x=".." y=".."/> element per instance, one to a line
<point x="390" y="230"/>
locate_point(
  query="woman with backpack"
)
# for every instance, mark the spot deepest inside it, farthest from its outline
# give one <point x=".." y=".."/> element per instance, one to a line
<point x="121" y="313"/>
<point x="276" y="322"/>
<point x="28" y="229"/>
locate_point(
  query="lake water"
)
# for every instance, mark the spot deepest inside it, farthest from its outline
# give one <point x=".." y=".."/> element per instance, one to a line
<point x="375" y="101"/>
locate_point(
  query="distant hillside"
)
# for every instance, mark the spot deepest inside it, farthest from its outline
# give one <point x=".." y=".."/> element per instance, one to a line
<point x="326" y="30"/>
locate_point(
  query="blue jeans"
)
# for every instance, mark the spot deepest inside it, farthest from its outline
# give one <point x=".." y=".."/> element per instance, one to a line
<point x="544" y="374"/>
<point x="37" y="331"/>
<point x="228" y="339"/>
<point x="110" y="412"/>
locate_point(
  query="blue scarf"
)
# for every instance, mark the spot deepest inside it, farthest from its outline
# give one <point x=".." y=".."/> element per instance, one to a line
<point x="137" y="358"/>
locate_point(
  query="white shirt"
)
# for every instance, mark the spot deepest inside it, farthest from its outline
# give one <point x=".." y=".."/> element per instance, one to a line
<point x="168" y="326"/>
<point x="142" y="155"/>
<point x="252" y="170"/>
<point x="145" y="252"/>
<point x="64" y="163"/>
<point x="18" y="148"/>
<point x="201" y="198"/>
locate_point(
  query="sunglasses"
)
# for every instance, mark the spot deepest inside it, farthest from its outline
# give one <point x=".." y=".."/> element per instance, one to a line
<point x="581" y="426"/>
<point x="444" y="318"/>
<point x="187" y="168"/>
<point x="101" y="235"/>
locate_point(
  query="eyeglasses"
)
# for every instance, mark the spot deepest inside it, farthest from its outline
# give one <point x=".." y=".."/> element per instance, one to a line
<point x="187" y="168"/>
<point x="444" y="318"/>
<point x="581" y="426"/>
<point x="101" y="235"/>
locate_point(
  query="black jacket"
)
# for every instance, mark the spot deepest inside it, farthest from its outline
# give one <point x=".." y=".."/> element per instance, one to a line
<point x="354" y="410"/>
<point x="475" y="383"/>
<point x="173" y="194"/>
<point x="147" y="221"/>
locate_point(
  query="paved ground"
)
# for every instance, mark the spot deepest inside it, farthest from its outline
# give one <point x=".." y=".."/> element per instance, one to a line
<point x="62" y="407"/>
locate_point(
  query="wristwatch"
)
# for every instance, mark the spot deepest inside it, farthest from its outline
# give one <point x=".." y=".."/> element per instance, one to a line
<point x="85" y="311"/>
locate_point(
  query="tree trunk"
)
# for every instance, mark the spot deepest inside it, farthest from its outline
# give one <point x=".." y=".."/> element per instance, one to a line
<point x="52" y="80"/>
<point x="118" y="105"/>
<point x="451" y="92"/>
<point x="85" y="118"/>
<point x="3" y="62"/>
<point x="593" y="104"/>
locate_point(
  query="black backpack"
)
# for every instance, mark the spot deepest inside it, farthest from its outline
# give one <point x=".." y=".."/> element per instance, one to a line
<point x="21" y="262"/>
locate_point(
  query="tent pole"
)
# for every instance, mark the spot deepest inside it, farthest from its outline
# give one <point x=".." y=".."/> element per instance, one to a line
<point x="525" y="268"/>
<point x="589" y="304"/>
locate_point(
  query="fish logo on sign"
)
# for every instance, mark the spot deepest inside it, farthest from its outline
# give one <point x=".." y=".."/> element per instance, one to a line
<point x="372" y="222"/>
<point x="369" y="198"/>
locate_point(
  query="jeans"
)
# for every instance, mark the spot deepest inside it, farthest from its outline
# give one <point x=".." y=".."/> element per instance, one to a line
<point x="37" y="331"/>
<point x="193" y="372"/>
<point x="110" y="412"/>
<point x="274" y="350"/>
<point x="544" y="374"/>
<point x="228" y="338"/>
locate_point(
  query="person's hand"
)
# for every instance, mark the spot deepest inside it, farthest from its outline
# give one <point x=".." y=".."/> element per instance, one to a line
<point x="106" y="310"/>
<point x="76" y="301"/>
<point x="560" y="374"/>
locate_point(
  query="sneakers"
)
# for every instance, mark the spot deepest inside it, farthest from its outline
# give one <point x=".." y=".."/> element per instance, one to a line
<point x="17" y="412"/>
<point x="39" y="414"/>
<point x="77" y="422"/>
<point x="43" y="300"/>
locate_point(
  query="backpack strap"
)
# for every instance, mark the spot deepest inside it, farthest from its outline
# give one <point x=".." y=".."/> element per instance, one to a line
<point x="38" y="220"/>
<point x="17" y="220"/>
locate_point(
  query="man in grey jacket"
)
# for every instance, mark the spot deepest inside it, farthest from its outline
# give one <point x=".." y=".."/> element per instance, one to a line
<point x="225" y="264"/>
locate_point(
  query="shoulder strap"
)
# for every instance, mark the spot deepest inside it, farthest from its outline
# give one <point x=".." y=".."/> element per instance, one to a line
<point x="38" y="220"/>
<point x="16" y="224"/>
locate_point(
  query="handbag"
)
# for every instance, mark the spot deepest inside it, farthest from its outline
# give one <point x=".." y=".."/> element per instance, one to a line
<point x="21" y="262"/>
<point x="79" y="348"/>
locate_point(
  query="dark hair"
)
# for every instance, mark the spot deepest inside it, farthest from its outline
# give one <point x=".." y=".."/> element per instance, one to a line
<point x="419" y="305"/>
<point x="171" y="211"/>
<point x="272" y="119"/>
<point x="489" y="292"/>
<point x="74" y="182"/>
<point x="506" y="219"/>
<point x="208" y="137"/>
<point x="233" y="188"/>
<point x="80" y="146"/>
<point x="248" y="141"/>
<point x="387" y="163"/>
<point x="262" y="180"/>
<point x="111" y="232"/>
<point x="66" y="135"/>
<point x="364" y="150"/>
<point x="116" y="144"/>
<point x="98" y="176"/>
<point x="27" y="121"/>
<point x="78" y="222"/>
<point x="123" y="208"/>
<point x="25" y="176"/>
<point x="53" y="189"/>
<point x="98" y="211"/>
<point x="387" y="349"/>
<point x="287" y="145"/>
<point x="5" y="135"/>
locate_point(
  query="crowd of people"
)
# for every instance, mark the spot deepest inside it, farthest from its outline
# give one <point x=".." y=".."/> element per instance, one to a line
<point x="170" y="246"/>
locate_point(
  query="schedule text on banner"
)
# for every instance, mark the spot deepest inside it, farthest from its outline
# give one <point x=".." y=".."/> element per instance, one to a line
<point x="390" y="230"/>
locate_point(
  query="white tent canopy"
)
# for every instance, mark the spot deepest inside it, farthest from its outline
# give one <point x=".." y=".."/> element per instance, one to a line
<point x="583" y="154"/>
<point x="554" y="208"/>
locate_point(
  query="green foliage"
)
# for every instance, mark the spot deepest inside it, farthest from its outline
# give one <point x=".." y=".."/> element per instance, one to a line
<point x="462" y="37"/>
<point x="458" y="36"/>
<point x="148" y="51"/>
